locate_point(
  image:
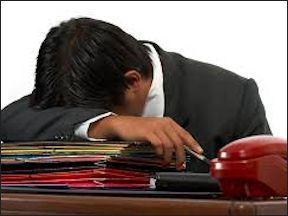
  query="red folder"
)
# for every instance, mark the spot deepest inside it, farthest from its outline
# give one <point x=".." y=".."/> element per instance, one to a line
<point x="104" y="177"/>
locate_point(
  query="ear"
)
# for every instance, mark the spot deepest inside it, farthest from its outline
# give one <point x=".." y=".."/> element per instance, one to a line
<point x="133" y="79"/>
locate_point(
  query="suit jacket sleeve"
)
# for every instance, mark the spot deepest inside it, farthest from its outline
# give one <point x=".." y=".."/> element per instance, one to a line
<point x="19" y="122"/>
<point x="251" y="118"/>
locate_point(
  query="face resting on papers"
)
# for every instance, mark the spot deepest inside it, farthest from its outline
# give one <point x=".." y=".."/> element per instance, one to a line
<point x="94" y="80"/>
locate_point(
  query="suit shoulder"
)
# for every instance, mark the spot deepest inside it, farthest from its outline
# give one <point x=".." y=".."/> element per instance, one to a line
<point x="205" y="71"/>
<point x="16" y="105"/>
<point x="207" y="83"/>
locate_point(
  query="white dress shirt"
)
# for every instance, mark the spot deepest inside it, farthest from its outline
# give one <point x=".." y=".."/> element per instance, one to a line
<point x="154" y="105"/>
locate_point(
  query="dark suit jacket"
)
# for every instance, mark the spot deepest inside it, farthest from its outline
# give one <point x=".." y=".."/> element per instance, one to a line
<point x="215" y="105"/>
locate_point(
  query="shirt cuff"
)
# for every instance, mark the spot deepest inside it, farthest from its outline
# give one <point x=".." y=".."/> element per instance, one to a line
<point x="82" y="129"/>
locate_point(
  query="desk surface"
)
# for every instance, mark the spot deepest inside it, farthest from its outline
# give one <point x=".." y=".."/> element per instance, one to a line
<point x="63" y="204"/>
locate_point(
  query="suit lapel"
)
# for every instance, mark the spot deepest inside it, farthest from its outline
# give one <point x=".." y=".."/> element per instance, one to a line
<point x="171" y="86"/>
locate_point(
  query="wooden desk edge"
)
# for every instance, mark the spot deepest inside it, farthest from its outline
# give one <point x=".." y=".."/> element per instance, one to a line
<point x="43" y="204"/>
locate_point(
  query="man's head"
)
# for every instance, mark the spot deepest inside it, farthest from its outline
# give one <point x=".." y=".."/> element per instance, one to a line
<point x="91" y="63"/>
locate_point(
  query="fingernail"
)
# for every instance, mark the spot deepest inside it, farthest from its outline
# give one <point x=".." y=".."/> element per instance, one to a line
<point x="184" y="165"/>
<point x="181" y="166"/>
<point x="199" y="149"/>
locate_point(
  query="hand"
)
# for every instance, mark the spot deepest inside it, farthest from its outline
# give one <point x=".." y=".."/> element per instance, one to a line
<point x="164" y="134"/>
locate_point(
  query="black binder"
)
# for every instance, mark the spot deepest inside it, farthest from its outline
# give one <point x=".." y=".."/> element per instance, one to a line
<point x="186" y="181"/>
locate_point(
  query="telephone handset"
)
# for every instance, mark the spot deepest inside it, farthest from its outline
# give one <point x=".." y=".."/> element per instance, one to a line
<point x="254" y="166"/>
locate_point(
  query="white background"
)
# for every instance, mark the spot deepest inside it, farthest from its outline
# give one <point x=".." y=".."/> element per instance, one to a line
<point x="249" y="38"/>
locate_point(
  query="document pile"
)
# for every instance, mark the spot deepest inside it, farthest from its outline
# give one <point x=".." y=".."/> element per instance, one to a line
<point x="79" y="164"/>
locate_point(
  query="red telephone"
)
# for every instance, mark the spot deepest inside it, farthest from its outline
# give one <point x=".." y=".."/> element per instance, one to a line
<point x="254" y="166"/>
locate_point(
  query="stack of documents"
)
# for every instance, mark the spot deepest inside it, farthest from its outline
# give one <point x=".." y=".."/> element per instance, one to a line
<point x="79" y="164"/>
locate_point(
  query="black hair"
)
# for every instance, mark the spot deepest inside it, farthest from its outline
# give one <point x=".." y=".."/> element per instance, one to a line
<point x="82" y="62"/>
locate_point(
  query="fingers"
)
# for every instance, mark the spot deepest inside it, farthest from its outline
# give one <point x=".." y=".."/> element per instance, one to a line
<point x="168" y="146"/>
<point x="188" y="139"/>
<point x="157" y="143"/>
<point x="178" y="147"/>
<point x="168" y="137"/>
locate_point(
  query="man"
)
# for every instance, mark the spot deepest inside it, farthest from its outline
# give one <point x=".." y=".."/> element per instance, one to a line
<point x="93" y="80"/>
